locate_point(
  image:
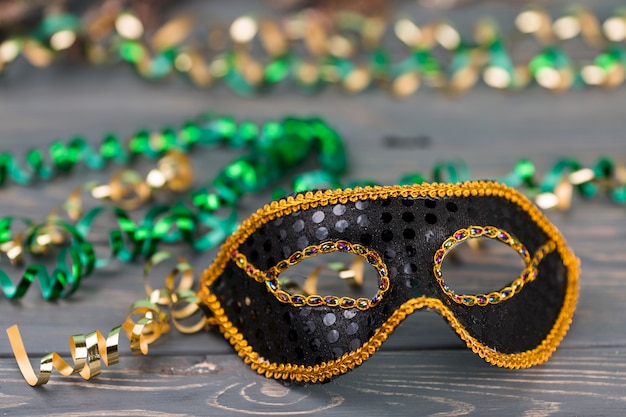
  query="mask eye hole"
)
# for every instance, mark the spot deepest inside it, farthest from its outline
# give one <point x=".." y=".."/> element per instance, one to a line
<point x="301" y="279"/>
<point x="473" y="284"/>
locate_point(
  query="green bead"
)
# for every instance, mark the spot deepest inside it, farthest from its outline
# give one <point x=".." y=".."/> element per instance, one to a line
<point x="524" y="169"/>
<point x="587" y="189"/>
<point x="76" y="149"/>
<point x="140" y="142"/>
<point x="213" y="202"/>
<point x="225" y="128"/>
<point x="427" y="63"/>
<point x="209" y="130"/>
<point x="160" y="67"/>
<point x="551" y="57"/>
<point x="332" y="157"/>
<point x="235" y="79"/>
<point x="226" y="190"/>
<point x="110" y="147"/>
<point x="272" y="130"/>
<point x="189" y="135"/>
<point x="276" y="71"/>
<point x="5" y="159"/>
<point x="248" y="132"/>
<point x="604" y="168"/>
<point x="160" y="228"/>
<point x="58" y="22"/>
<point x="405" y="66"/>
<point x="315" y="180"/>
<point x="379" y="62"/>
<point x="5" y="235"/>
<point x="343" y="66"/>
<point x="460" y="60"/>
<point x="206" y="201"/>
<point x="539" y="62"/>
<point x="499" y="58"/>
<point x="34" y="157"/>
<point x="168" y="137"/>
<point x="142" y="233"/>
<point x="126" y="224"/>
<point x="131" y="51"/>
<point x="270" y="133"/>
<point x="411" y="179"/>
<point x="59" y="156"/>
<point x="619" y="195"/>
<point x="606" y="61"/>
<point x="10" y="168"/>
<point x="184" y="222"/>
<point x="293" y="127"/>
<point x="241" y="172"/>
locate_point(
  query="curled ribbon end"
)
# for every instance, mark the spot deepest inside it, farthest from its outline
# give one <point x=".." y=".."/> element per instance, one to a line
<point x="19" y="352"/>
<point x="88" y="352"/>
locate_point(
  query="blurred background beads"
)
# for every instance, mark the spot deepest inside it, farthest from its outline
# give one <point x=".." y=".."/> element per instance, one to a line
<point x="312" y="49"/>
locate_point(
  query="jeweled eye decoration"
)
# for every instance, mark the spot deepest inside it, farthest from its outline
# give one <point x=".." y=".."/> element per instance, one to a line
<point x="271" y="276"/>
<point x="528" y="274"/>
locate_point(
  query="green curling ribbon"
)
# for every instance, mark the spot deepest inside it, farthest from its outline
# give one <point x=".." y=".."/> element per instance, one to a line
<point x="207" y="130"/>
<point x="74" y="261"/>
<point x="271" y="151"/>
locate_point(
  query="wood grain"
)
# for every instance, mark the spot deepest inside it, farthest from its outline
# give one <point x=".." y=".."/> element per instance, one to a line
<point x="429" y="383"/>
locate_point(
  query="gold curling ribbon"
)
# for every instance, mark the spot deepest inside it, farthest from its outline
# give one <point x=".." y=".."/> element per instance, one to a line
<point x="129" y="191"/>
<point x="145" y="323"/>
<point x="181" y="300"/>
<point x="87" y="351"/>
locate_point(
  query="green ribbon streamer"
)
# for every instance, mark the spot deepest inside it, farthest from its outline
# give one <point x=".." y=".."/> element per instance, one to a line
<point x="272" y="150"/>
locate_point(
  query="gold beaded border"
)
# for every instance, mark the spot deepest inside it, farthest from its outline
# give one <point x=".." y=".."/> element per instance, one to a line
<point x="350" y="360"/>
<point x="270" y="277"/>
<point x="528" y="274"/>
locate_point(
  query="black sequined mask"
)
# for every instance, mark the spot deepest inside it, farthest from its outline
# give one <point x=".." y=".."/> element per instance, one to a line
<point x="404" y="233"/>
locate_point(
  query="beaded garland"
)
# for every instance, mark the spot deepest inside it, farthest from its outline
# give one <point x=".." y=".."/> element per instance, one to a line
<point x="350" y="52"/>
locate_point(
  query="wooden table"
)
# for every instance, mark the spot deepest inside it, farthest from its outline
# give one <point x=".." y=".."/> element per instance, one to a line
<point x="423" y="369"/>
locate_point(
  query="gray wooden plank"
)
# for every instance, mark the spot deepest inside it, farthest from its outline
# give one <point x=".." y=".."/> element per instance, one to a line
<point x="589" y="382"/>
